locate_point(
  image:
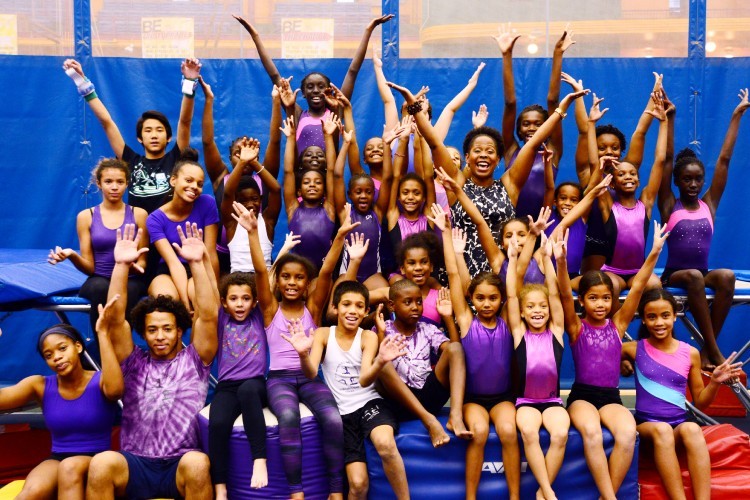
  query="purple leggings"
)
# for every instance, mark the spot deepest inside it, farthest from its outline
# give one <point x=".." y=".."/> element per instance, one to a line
<point x="286" y="388"/>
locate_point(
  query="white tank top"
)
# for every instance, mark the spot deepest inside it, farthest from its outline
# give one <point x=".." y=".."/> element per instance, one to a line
<point x="239" y="248"/>
<point x="341" y="371"/>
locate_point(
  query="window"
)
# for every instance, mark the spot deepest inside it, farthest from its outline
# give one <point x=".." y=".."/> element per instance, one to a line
<point x="728" y="28"/>
<point x="36" y="27"/>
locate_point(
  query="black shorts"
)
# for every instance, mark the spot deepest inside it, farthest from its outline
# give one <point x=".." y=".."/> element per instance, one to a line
<point x="540" y="406"/>
<point x="669" y="271"/>
<point x="151" y="477"/>
<point x="597" y="396"/>
<point x="595" y="246"/>
<point x="60" y="456"/>
<point x="163" y="268"/>
<point x="432" y="396"/>
<point x="625" y="277"/>
<point x="489" y="401"/>
<point x="359" y="424"/>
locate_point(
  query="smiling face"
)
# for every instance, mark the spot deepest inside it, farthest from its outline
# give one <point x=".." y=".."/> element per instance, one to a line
<point x="411" y="196"/>
<point x="313" y="90"/>
<point x="456" y="157"/>
<point x="597" y="303"/>
<point x="407" y="306"/>
<point x="625" y="179"/>
<point x="608" y="145"/>
<point x="417" y="265"/>
<point x="188" y="183"/>
<point x="154" y="137"/>
<point x="293" y="281"/>
<point x="528" y="123"/>
<point x="567" y="197"/>
<point x="486" y="300"/>
<point x="113" y="183"/>
<point x="313" y="158"/>
<point x="362" y="193"/>
<point x="373" y="153"/>
<point x="690" y="181"/>
<point x="659" y="318"/>
<point x="163" y="336"/>
<point x="515" y="229"/>
<point x="482" y="157"/>
<point x="535" y="310"/>
<point x="239" y="301"/>
<point x="351" y="309"/>
<point x="312" y="186"/>
<point x="61" y="353"/>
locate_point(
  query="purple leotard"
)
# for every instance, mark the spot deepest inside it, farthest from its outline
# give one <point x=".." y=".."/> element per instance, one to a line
<point x="309" y="131"/>
<point x="370" y="227"/>
<point x="488" y="358"/>
<point x="429" y="307"/>
<point x="531" y="197"/>
<point x="534" y="275"/>
<point x="103" y="240"/>
<point x="626" y="237"/>
<point x="283" y="355"/>
<point x="316" y="230"/>
<point x="596" y="355"/>
<point x="539" y="356"/>
<point x="576" y="243"/>
<point x="690" y="234"/>
<point x="203" y="213"/>
<point x="406" y="227"/>
<point x="242" y="346"/>
<point x="660" y="383"/>
<point x="80" y="425"/>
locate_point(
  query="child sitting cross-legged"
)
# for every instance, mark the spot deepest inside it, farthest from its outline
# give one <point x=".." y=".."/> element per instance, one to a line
<point x="351" y="360"/>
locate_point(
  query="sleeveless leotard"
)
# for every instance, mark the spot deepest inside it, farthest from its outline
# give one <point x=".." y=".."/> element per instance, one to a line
<point x="596" y="355"/>
<point x="239" y="248"/>
<point x="660" y="383"/>
<point x="531" y="197"/>
<point x="316" y="230"/>
<point x="626" y="236"/>
<point x="309" y="131"/>
<point x="103" y="240"/>
<point x="534" y="275"/>
<point x="370" y="227"/>
<point x="539" y="356"/>
<point x="488" y="358"/>
<point x="576" y="243"/>
<point x="690" y="235"/>
<point x="406" y="227"/>
<point x="283" y="355"/>
<point x="429" y="307"/>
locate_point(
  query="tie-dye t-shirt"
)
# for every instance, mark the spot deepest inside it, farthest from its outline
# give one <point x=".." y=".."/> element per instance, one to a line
<point x="415" y="366"/>
<point x="161" y="403"/>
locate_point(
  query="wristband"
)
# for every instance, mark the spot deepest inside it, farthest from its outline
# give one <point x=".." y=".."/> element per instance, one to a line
<point x="86" y="88"/>
<point x="77" y="79"/>
<point x="188" y="86"/>
<point x="560" y="112"/>
<point x="91" y="96"/>
<point x="414" y="108"/>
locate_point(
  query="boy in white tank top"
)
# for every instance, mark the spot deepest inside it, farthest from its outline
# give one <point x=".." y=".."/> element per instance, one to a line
<point x="351" y="361"/>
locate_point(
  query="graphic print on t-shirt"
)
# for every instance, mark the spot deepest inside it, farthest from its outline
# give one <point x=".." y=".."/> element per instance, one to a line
<point x="148" y="181"/>
<point x="348" y="376"/>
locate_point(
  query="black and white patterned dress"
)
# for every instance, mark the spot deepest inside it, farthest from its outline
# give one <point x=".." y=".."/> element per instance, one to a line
<point x="494" y="204"/>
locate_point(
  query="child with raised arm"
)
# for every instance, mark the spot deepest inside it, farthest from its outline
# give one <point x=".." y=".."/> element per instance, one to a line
<point x="665" y="369"/>
<point x="691" y="220"/>
<point x="243" y="188"/>
<point x="151" y="171"/>
<point x="531" y="118"/>
<point x="596" y="342"/>
<point x="351" y="360"/>
<point x="488" y="345"/>
<point x="536" y="320"/>
<point x="287" y="385"/>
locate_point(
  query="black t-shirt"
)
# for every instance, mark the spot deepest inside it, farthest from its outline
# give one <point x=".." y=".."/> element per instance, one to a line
<point x="149" y="179"/>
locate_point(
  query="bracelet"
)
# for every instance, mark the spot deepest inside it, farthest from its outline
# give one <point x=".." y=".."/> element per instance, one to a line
<point x="560" y="112"/>
<point x="188" y="86"/>
<point x="399" y="155"/>
<point x="91" y="96"/>
<point x="262" y="168"/>
<point x="414" y="108"/>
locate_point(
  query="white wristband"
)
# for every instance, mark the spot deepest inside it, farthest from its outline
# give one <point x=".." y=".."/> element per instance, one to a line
<point x="78" y="79"/>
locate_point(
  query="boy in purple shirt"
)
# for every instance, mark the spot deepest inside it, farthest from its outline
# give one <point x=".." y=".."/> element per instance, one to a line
<point x="165" y="386"/>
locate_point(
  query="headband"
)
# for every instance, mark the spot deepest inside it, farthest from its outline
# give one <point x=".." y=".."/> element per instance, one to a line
<point x="56" y="330"/>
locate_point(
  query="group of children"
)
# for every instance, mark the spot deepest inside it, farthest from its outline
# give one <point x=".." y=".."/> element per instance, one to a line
<point x="421" y="283"/>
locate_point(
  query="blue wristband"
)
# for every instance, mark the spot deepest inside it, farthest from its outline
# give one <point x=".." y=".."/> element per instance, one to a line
<point x="86" y="88"/>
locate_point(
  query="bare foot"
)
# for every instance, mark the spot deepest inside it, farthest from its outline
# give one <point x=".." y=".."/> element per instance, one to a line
<point x="336" y="496"/>
<point x="260" y="474"/>
<point x="456" y="425"/>
<point x="710" y="359"/>
<point x="221" y="491"/>
<point x="437" y="433"/>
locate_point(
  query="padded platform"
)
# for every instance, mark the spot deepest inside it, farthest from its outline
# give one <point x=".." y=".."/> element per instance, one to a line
<point x="25" y="275"/>
<point x="729" y="449"/>
<point x="439" y="474"/>
<point x="314" y="476"/>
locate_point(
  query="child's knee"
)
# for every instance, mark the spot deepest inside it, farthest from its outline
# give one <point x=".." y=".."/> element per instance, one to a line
<point x="386" y="447"/>
<point x="559" y="437"/>
<point x="691" y="433"/>
<point x="653" y="282"/>
<point x="359" y="484"/>
<point x="288" y="417"/>
<point x="591" y="432"/>
<point x="72" y="469"/>
<point x="625" y="435"/>
<point x="481" y="431"/>
<point x="725" y="279"/>
<point x="663" y="435"/>
<point x="507" y="432"/>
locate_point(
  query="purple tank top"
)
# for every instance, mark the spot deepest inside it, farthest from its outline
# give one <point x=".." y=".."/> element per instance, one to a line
<point x="283" y="355"/>
<point x="660" y="383"/>
<point x="539" y="356"/>
<point x="534" y="275"/>
<point x="429" y="307"/>
<point x="81" y="425"/>
<point x="316" y="230"/>
<point x="309" y="131"/>
<point x="488" y="358"/>
<point x="103" y="241"/>
<point x="626" y="236"/>
<point x="409" y="227"/>
<point x="370" y="227"/>
<point x="576" y="242"/>
<point x="531" y="197"/>
<point x="596" y="355"/>
<point x="242" y="346"/>
<point x="690" y="237"/>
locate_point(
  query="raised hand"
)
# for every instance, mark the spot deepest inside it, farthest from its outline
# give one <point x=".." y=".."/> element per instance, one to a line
<point x="444" y="305"/>
<point x="479" y="118"/>
<point x="249" y="150"/>
<point x="560" y="246"/>
<point x="660" y="236"/>
<point x="565" y="41"/>
<point x="572" y="97"/>
<point x="290" y="241"/>
<point x="72" y="63"/>
<point x="287" y="127"/>
<point x="59" y="254"/>
<point x="249" y="27"/>
<point x="513" y="250"/>
<point x="505" y="39"/>
<point x="658" y="112"/>
<point x="286" y="94"/>
<point x="392" y="347"/>
<point x="346" y="221"/>
<point x="379" y="20"/>
<point x="475" y="77"/>
<point x="547" y="154"/>
<point x="301" y="342"/>
<point x="669" y="106"/>
<point x="331" y="125"/>
<point x="401" y="128"/>
<point x="207" y="92"/>
<point x="448" y="182"/>
<point x="357" y="249"/>
<point x="380" y="320"/>
<point x="191" y="68"/>
<point x="537" y="227"/>
<point x="409" y="127"/>
<point x="335" y="98"/>
<point x="406" y="93"/>
<point x="192" y="243"/>
<point x="727" y="370"/>
<point x="576" y="84"/>
<point x="658" y="81"/>
<point x="595" y="113"/>
<point x="439" y="217"/>
<point x="459" y="240"/>
<point x="376" y="60"/>
<point x="244" y="217"/>
<point x="608" y="160"/>
<point x="601" y="188"/>
<point x="126" y="249"/>
<point x="743" y="105"/>
<point x="105" y="315"/>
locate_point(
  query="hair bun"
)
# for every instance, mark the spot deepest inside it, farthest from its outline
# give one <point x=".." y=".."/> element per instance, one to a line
<point x="189" y="154"/>
<point x="685" y="153"/>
